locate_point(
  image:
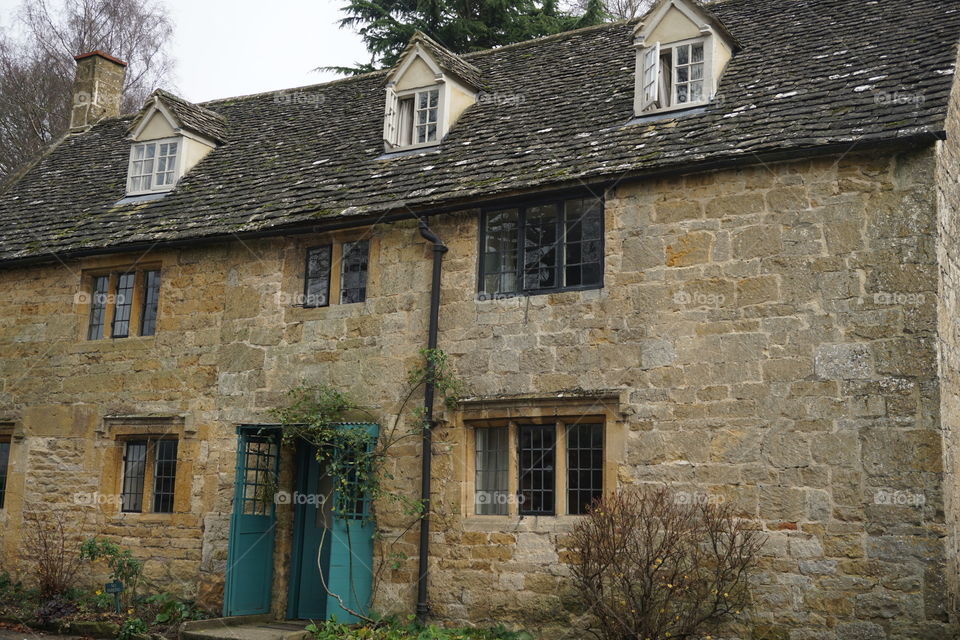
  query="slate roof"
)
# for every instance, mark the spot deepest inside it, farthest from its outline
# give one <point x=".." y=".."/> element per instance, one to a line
<point x="193" y="117"/>
<point x="812" y="73"/>
<point x="448" y="60"/>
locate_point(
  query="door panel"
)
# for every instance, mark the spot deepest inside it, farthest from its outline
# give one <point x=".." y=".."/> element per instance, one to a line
<point x="333" y="545"/>
<point x="250" y="557"/>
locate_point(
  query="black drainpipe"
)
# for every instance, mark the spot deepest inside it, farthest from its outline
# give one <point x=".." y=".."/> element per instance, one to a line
<point x="438" y="250"/>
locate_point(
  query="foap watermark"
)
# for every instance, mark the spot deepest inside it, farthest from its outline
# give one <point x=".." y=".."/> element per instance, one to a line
<point x="89" y="498"/>
<point x="313" y="499"/>
<point x="698" y="299"/>
<point x="498" y="498"/>
<point x="899" y="498"/>
<point x="300" y="299"/>
<point x="301" y="98"/>
<point x="903" y="299"/>
<point x="899" y="98"/>
<point x="501" y="99"/>
<point x="697" y="497"/>
<point x="482" y="296"/>
<point x="86" y="297"/>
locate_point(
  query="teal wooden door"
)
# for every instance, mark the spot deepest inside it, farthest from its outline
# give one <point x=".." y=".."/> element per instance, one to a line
<point x="333" y="545"/>
<point x="250" y="557"/>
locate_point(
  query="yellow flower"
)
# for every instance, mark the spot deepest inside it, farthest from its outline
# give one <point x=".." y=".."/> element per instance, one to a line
<point x="129" y="612"/>
<point x="97" y="592"/>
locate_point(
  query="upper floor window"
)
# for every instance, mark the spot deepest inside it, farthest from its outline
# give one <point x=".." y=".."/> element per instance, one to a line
<point x="123" y="301"/>
<point x="542" y="248"/>
<point x="418" y="117"/>
<point x="682" y="49"/>
<point x="674" y="76"/>
<point x="154" y="166"/>
<point x="349" y="281"/>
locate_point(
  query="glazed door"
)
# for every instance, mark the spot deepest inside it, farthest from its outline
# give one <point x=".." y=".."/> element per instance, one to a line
<point x="250" y="556"/>
<point x="333" y="545"/>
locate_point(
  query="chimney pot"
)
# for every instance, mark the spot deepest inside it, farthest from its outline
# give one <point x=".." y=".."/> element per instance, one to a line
<point x="97" y="89"/>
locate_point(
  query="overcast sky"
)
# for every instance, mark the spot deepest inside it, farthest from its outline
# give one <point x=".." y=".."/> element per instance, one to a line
<point x="229" y="48"/>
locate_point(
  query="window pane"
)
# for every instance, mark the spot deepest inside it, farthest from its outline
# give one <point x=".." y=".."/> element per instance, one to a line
<point x="164" y="476"/>
<point x="683" y="54"/>
<point x="98" y="307"/>
<point x="123" y="302"/>
<point x="537" y="469"/>
<point x="584" y="466"/>
<point x="259" y="477"/>
<point x="317" y="284"/>
<point x="151" y="303"/>
<point x="134" y="467"/>
<point x="583" y="255"/>
<point x="491" y="481"/>
<point x="4" y="465"/>
<point x="540" y="247"/>
<point x="697" y="53"/>
<point x="500" y="252"/>
<point x="353" y="277"/>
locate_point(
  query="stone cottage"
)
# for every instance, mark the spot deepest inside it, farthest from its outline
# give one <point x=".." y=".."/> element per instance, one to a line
<point x="717" y="247"/>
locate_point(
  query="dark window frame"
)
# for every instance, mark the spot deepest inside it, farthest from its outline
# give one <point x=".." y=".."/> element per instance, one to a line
<point x="123" y="301"/>
<point x="307" y="276"/>
<point x="547" y="475"/>
<point x="99" y="299"/>
<point x="150" y="307"/>
<point x="133" y="483"/>
<point x="522" y="206"/>
<point x="364" y="270"/>
<point x="563" y="485"/>
<point x="6" y="445"/>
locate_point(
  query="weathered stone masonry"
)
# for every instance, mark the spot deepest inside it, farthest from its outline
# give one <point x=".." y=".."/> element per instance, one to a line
<point x="772" y="332"/>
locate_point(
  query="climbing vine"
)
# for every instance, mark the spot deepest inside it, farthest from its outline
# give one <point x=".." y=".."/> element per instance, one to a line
<point x="354" y="459"/>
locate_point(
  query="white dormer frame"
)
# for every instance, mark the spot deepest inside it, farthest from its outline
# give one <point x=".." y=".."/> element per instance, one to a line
<point x="650" y="53"/>
<point x="391" y="120"/>
<point x="177" y="169"/>
<point x="180" y="135"/>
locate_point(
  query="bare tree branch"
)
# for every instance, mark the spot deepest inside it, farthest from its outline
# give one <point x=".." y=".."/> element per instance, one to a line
<point x="37" y="67"/>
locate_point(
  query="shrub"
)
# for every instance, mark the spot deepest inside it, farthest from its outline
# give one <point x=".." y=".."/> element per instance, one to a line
<point x="131" y="628"/>
<point x="55" y="609"/>
<point x="333" y="630"/>
<point x="52" y="551"/>
<point x="651" y="566"/>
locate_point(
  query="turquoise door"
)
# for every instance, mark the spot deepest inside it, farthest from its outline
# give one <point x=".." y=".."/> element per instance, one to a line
<point x="333" y="545"/>
<point x="250" y="556"/>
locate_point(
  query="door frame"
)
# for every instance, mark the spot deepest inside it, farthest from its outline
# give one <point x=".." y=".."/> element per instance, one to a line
<point x="230" y="575"/>
<point x="299" y="513"/>
<point x="303" y="460"/>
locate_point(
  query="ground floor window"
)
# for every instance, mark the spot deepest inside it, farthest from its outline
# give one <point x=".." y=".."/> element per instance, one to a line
<point x="543" y="467"/>
<point x="149" y="475"/>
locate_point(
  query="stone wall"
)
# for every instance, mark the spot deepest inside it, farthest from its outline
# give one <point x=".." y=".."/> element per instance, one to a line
<point x="948" y="254"/>
<point x="771" y="334"/>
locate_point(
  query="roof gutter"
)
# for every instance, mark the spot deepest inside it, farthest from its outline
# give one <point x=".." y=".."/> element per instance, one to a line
<point x="473" y="202"/>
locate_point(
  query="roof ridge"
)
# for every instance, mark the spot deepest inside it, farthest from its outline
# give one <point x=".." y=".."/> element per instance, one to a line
<point x="552" y="36"/>
<point x="261" y="94"/>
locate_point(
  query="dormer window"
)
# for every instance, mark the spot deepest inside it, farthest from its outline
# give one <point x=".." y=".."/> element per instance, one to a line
<point x="426" y="92"/>
<point x="674" y="76"/>
<point x="418" y="117"/>
<point x="154" y="166"/>
<point x="168" y="137"/>
<point x="682" y="50"/>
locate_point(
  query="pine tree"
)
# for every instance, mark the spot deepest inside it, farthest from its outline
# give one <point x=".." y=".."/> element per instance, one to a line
<point x="462" y="26"/>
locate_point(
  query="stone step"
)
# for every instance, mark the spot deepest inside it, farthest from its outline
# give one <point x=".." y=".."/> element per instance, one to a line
<point x="243" y="628"/>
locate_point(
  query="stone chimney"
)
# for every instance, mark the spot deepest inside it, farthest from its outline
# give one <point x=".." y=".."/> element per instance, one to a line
<point x="97" y="89"/>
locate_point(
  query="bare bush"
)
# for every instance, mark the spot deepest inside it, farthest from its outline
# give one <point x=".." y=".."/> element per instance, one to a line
<point x="53" y="550"/>
<point x="652" y="566"/>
